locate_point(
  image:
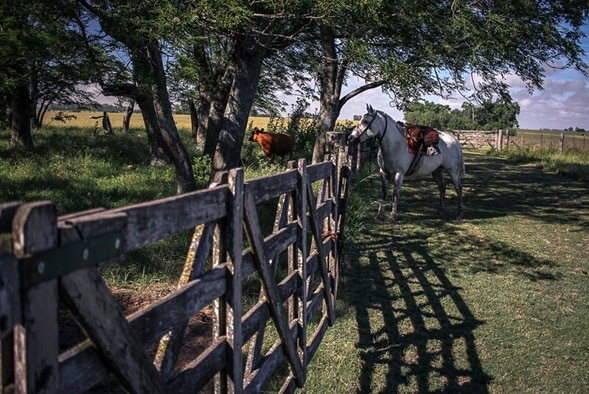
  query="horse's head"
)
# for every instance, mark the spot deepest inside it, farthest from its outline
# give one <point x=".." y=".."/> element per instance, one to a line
<point x="372" y="124"/>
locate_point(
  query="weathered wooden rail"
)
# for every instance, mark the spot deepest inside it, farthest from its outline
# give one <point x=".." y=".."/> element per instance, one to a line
<point x="479" y="139"/>
<point x="49" y="262"/>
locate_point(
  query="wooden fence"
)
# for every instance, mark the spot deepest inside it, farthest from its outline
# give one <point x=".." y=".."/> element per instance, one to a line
<point x="525" y="139"/>
<point x="48" y="263"/>
<point x="479" y="139"/>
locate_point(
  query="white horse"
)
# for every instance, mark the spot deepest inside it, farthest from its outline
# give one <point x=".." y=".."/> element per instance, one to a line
<point x="395" y="159"/>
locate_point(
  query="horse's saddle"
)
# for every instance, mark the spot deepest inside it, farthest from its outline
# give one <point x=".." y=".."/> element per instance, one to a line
<point x="422" y="138"/>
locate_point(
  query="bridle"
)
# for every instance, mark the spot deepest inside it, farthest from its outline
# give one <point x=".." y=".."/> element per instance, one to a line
<point x="386" y="125"/>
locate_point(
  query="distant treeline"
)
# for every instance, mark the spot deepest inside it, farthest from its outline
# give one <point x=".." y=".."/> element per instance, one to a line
<point x="93" y="108"/>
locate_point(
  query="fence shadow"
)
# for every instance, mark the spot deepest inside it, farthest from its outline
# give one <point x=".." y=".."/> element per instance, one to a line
<point x="416" y="332"/>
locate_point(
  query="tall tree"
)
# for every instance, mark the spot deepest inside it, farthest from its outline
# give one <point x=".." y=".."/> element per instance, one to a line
<point x="149" y="22"/>
<point x="412" y="49"/>
<point x="41" y="62"/>
<point x="254" y="31"/>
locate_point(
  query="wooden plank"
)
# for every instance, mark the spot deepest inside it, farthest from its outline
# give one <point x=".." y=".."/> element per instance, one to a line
<point x="270" y="363"/>
<point x="152" y="321"/>
<point x="90" y="301"/>
<point x="319" y="171"/>
<point x="7" y="211"/>
<point x="302" y="209"/>
<point x="256" y="317"/>
<point x="10" y="315"/>
<point x="10" y="303"/>
<point x="70" y="217"/>
<point x="280" y="240"/>
<point x="267" y="188"/>
<point x="34" y="230"/>
<point x="149" y="324"/>
<point x="79" y="374"/>
<point x="322" y="258"/>
<point x="198" y="252"/>
<point x="234" y="239"/>
<point x="260" y="257"/>
<point x="194" y="377"/>
<point x="154" y="220"/>
<point x="324" y="210"/>
<point x="315" y="301"/>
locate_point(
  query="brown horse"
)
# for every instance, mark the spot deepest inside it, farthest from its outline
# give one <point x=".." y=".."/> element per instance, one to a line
<point x="273" y="144"/>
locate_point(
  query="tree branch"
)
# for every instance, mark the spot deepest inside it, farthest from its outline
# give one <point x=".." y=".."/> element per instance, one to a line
<point x="357" y="91"/>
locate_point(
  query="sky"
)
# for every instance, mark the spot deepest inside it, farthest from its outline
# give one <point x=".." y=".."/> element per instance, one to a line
<point x="563" y="102"/>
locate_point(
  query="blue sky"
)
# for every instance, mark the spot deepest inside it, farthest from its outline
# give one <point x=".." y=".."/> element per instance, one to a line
<point x="563" y="103"/>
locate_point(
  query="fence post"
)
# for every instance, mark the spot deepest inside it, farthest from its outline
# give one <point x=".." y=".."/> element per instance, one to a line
<point x="561" y="143"/>
<point x="302" y="218"/>
<point x="234" y="239"/>
<point x="36" y="366"/>
<point x="499" y="143"/>
<point x="228" y="240"/>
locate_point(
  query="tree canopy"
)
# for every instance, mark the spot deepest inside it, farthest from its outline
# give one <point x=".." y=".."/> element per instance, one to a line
<point x="229" y="57"/>
<point x="487" y="116"/>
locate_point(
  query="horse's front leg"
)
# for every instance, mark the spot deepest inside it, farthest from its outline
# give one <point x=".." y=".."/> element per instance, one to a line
<point x="384" y="184"/>
<point x="438" y="176"/>
<point x="396" y="195"/>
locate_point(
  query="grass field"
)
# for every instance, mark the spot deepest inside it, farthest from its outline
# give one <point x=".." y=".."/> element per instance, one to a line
<point x="496" y="303"/>
<point x="85" y="120"/>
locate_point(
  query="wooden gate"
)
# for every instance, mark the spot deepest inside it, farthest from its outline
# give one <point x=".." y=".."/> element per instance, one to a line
<point x="49" y="262"/>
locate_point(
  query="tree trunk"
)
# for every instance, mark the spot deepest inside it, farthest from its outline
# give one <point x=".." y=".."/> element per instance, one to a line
<point x="332" y="76"/>
<point x="214" y="124"/>
<point x="20" y="127"/>
<point x="194" y="123"/>
<point x="157" y="155"/>
<point x="106" y="125"/>
<point x="247" y="62"/>
<point x="127" y="115"/>
<point x="330" y="85"/>
<point x="217" y="96"/>
<point x="149" y="73"/>
<point x="163" y="110"/>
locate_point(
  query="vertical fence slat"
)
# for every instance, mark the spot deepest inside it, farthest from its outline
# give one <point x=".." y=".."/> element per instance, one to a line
<point x="302" y="218"/>
<point x="36" y="339"/>
<point x="234" y="249"/>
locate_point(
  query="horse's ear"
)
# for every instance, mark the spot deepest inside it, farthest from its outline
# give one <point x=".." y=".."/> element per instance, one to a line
<point x="369" y="109"/>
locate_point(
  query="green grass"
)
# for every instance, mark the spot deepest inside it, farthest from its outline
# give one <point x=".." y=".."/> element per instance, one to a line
<point x="573" y="163"/>
<point x="78" y="169"/>
<point x="498" y="302"/>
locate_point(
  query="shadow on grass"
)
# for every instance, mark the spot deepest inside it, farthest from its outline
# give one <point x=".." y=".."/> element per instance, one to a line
<point x="495" y="187"/>
<point x="416" y="333"/>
